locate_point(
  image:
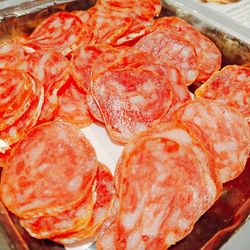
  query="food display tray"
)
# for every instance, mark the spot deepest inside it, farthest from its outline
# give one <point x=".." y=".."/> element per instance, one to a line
<point x="230" y="211"/>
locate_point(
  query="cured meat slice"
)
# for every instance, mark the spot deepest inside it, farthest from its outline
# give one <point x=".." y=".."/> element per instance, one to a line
<point x="16" y="89"/>
<point x="223" y="130"/>
<point x="82" y="62"/>
<point x="106" y="235"/>
<point x="205" y="49"/>
<point x="142" y="7"/>
<point x="93" y="108"/>
<point x="131" y="100"/>
<point x="173" y="50"/>
<point x="47" y="171"/>
<point x="60" y="32"/>
<point x="110" y="25"/>
<point x="72" y="219"/>
<point x="105" y="192"/>
<point x="73" y="106"/>
<point x="177" y="183"/>
<point x="231" y="85"/>
<point x="52" y="69"/>
<point x="12" y="55"/>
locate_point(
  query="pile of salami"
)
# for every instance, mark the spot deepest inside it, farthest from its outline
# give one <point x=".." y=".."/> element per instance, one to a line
<point x="120" y="66"/>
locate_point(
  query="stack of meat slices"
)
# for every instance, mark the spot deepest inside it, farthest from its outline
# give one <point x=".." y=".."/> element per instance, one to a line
<point x="21" y="100"/>
<point x="58" y="193"/>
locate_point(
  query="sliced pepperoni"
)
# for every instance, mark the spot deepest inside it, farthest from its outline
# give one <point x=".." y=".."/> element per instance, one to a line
<point x="131" y="100"/>
<point x="205" y="49"/>
<point x="82" y="62"/>
<point x="173" y="50"/>
<point x="93" y="108"/>
<point x="47" y="172"/>
<point x="12" y="55"/>
<point x="110" y="25"/>
<point x="16" y="90"/>
<point x="60" y="32"/>
<point x="72" y="219"/>
<point x="105" y="192"/>
<point x="142" y="7"/>
<point x="52" y="69"/>
<point x="231" y="85"/>
<point x="73" y="106"/>
<point x="177" y="183"/>
<point x="223" y="130"/>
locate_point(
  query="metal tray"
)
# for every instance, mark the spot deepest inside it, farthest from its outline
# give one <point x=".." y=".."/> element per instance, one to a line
<point x="232" y="209"/>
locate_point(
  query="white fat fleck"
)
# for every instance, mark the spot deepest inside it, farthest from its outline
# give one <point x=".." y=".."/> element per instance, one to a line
<point x="184" y="66"/>
<point x="177" y="47"/>
<point x="12" y="131"/>
<point x="40" y="73"/>
<point x="56" y="23"/>
<point x="133" y="240"/>
<point x="53" y="70"/>
<point x="174" y="77"/>
<point x="99" y="215"/>
<point x="212" y="190"/>
<point x="152" y="223"/>
<point x="100" y="19"/>
<point x="68" y="23"/>
<point x="197" y="120"/>
<point x="3" y="146"/>
<point x="5" y="49"/>
<point x="64" y="224"/>
<point x="183" y="224"/>
<point x="188" y="114"/>
<point x="191" y="74"/>
<point x="136" y="99"/>
<point x="35" y="204"/>
<point x="225" y="146"/>
<point x="170" y="239"/>
<point x="108" y="241"/>
<point x="42" y="167"/>
<point x="75" y="183"/>
<point x="72" y="38"/>
<point x="179" y="135"/>
<point x="36" y="153"/>
<point x="242" y="77"/>
<point x="186" y="52"/>
<point x="225" y="173"/>
<point x="139" y="127"/>
<point x="148" y="86"/>
<point x="68" y="108"/>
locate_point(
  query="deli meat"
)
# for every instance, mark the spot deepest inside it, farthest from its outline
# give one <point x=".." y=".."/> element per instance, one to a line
<point x="231" y="86"/>
<point x="60" y="32"/>
<point x="52" y="69"/>
<point x="173" y="50"/>
<point x="222" y="129"/>
<point x="205" y="49"/>
<point x="105" y="192"/>
<point x="47" y="173"/>
<point x="177" y="183"/>
<point x="73" y="106"/>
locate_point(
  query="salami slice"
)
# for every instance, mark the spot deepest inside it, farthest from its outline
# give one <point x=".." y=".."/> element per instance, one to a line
<point x="173" y="50"/>
<point x="73" y="106"/>
<point x="131" y="100"/>
<point x="12" y="55"/>
<point x="49" y="171"/>
<point x="52" y="69"/>
<point x="205" y="49"/>
<point x="223" y="130"/>
<point x="110" y="25"/>
<point x="142" y="7"/>
<point x="231" y="85"/>
<point x="50" y="226"/>
<point x="105" y="192"/>
<point x="16" y="89"/>
<point x="16" y="131"/>
<point x="93" y="108"/>
<point x="82" y="62"/>
<point x="60" y="32"/>
<point x="176" y="185"/>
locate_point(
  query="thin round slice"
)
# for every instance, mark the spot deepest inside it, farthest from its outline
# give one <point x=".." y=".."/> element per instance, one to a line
<point x="60" y="32"/>
<point x="172" y="50"/>
<point x="176" y="185"/>
<point x="105" y="192"/>
<point x="223" y="130"/>
<point x="205" y="49"/>
<point x="231" y="85"/>
<point x="73" y="106"/>
<point x="50" y="170"/>
<point x="67" y="221"/>
<point x="82" y="63"/>
<point x="17" y="130"/>
<point x="131" y="100"/>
